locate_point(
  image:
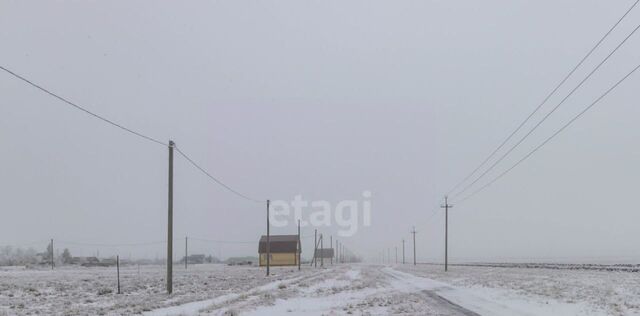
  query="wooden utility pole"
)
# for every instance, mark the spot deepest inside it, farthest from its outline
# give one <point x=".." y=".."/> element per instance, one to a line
<point x="403" y="252"/>
<point x="186" y="252"/>
<point x="170" y="223"/>
<point x="446" y="208"/>
<point x="299" y="247"/>
<point x="268" y="241"/>
<point x="118" y="271"/>
<point x="414" y="245"/>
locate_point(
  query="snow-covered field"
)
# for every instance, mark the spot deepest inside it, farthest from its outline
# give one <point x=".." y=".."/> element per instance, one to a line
<point x="92" y="291"/>
<point x="335" y="290"/>
<point x="584" y="292"/>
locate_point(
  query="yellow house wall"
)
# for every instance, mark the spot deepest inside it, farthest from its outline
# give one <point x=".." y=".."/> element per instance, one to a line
<point x="279" y="259"/>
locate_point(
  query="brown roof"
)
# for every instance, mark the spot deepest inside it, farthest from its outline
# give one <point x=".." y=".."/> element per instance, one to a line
<point x="279" y="244"/>
<point x="326" y="253"/>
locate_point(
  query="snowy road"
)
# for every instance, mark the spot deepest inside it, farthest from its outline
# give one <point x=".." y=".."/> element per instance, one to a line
<point x="346" y="290"/>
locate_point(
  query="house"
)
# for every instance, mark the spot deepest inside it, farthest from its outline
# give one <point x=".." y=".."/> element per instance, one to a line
<point x="84" y="260"/>
<point x="284" y="250"/>
<point x="324" y="253"/>
<point x="107" y="262"/>
<point x="196" y="259"/>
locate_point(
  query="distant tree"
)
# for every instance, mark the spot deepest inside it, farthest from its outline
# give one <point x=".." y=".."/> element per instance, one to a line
<point x="66" y="256"/>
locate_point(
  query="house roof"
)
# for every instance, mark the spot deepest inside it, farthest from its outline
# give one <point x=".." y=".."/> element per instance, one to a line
<point x="326" y="253"/>
<point x="279" y="244"/>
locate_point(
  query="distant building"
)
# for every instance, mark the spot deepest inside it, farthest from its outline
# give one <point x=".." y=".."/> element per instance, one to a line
<point x="107" y="262"/>
<point x="324" y="253"/>
<point x="197" y="259"/>
<point x="84" y="260"/>
<point x="284" y="250"/>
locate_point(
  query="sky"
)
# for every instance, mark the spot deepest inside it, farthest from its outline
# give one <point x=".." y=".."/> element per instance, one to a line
<point x="326" y="100"/>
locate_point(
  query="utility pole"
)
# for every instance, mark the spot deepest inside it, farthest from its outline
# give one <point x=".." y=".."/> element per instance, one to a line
<point x="118" y="269"/>
<point x="414" y="245"/>
<point x="446" y="207"/>
<point x="315" y="247"/>
<point x="186" y="253"/>
<point x="299" y="247"/>
<point x="268" y="241"/>
<point x="170" y="223"/>
<point x="396" y="254"/>
<point x="321" y="251"/>
<point x="52" y="261"/>
<point x="403" y="251"/>
<point x="331" y="243"/>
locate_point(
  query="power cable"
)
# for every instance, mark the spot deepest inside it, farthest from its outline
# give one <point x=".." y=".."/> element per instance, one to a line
<point x="543" y="101"/>
<point x="215" y="179"/>
<point x="552" y="136"/>
<point x="548" y="114"/>
<point x="82" y="108"/>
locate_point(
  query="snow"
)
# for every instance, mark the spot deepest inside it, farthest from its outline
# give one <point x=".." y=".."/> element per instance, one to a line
<point x="544" y="291"/>
<point x="488" y="301"/>
<point x="359" y="289"/>
<point x="76" y="290"/>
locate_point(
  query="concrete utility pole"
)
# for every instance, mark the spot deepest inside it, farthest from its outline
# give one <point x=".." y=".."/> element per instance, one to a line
<point x="186" y="253"/>
<point x="118" y="269"/>
<point x="322" y="250"/>
<point x="268" y="241"/>
<point x="299" y="247"/>
<point x="52" y="261"/>
<point x="446" y="208"/>
<point x="403" y="252"/>
<point x="414" y="245"/>
<point x="170" y="223"/>
<point x="332" y="250"/>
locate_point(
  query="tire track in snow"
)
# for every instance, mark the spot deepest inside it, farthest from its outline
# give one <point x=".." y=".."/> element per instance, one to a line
<point x="435" y="301"/>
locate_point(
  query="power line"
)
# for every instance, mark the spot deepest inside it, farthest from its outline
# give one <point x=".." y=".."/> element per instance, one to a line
<point x="149" y="138"/>
<point x="215" y="179"/>
<point x="543" y="101"/>
<point x="222" y="241"/>
<point x="552" y="136"/>
<point x="81" y="108"/>
<point x="110" y="245"/>
<point x="548" y="114"/>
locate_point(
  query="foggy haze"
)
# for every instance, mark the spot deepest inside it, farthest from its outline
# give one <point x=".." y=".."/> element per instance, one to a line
<point x="322" y="99"/>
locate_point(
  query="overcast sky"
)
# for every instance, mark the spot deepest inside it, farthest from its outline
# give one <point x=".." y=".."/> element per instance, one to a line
<point x="324" y="99"/>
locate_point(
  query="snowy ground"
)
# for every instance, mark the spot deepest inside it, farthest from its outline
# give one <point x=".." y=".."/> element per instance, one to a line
<point x="92" y="291"/>
<point x="579" y="291"/>
<point x="334" y="290"/>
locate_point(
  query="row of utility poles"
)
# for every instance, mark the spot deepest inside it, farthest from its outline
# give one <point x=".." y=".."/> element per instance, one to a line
<point x="343" y="254"/>
<point x="340" y="248"/>
<point x="340" y="252"/>
<point x="446" y="206"/>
